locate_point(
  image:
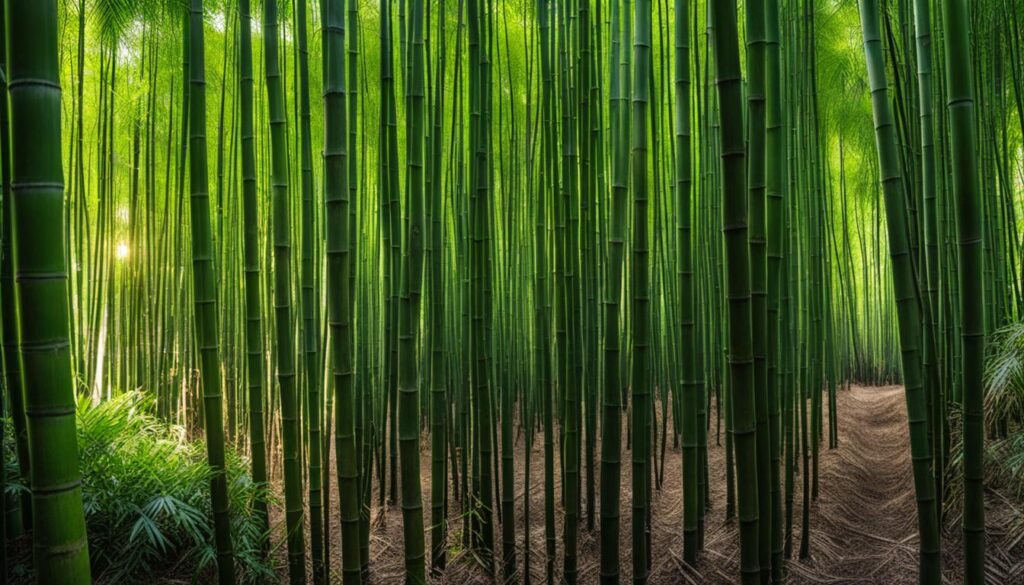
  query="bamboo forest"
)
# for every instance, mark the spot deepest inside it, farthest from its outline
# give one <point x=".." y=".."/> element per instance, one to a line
<point x="512" y="291"/>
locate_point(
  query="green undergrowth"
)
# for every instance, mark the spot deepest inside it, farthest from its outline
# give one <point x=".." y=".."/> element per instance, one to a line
<point x="1004" y="433"/>
<point x="146" y="495"/>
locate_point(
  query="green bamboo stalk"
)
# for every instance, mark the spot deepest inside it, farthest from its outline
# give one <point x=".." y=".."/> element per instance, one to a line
<point x="777" y="350"/>
<point x="307" y="300"/>
<point x="290" y="434"/>
<point x="922" y="28"/>
<point x="479" y="184"/>
<point x="60" y="546"/>
<point x="611" y="423"/>
<point x="205" y="294"/>
<point x="438" y="372"/>
<point x="738" y="285"/>
<point x="19" y="507"/>
<point x="683" y="191"/>
<point x="571" y="385"/>
<point x="409" y="315"/>
<point x="390" y="191"/>
<point x="253" y="311"/>
<point x="588" y="245"/>
<point x="756" y="128"/>
<point x="909" y="312"/>
<point x="340" y="288"/>
<point x="640" y="287"/>
<point x="547" y="182"/>
<point x="960" y="96"/>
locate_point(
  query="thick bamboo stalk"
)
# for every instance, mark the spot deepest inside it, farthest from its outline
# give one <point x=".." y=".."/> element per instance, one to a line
<point x="909" y="311"/>
<point x="738" y="284"/>
<point x="285" y="344"/>
<point x="960" y="95"/>
<point x="60" y="546"/>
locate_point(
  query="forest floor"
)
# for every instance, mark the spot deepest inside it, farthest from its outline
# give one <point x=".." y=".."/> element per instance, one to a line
<point x="863" y="524"/>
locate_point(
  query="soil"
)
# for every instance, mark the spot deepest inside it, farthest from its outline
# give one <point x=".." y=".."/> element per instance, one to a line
<point x="862" y="530"/>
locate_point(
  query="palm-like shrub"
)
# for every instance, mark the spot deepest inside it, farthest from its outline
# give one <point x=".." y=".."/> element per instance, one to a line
<point x="1004" y="414"/>
<point x="1004" y="377"/>
<point x="146" y="494"/>
<point x="1004" y="428"/>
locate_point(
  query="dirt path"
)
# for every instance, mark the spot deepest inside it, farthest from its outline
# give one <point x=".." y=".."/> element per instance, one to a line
<point x="863" y="525"/>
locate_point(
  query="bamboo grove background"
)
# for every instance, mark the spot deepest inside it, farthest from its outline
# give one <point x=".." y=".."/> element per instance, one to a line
<point x="338" y="234"/>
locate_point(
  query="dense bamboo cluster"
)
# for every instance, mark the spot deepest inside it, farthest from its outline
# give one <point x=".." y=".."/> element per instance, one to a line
<point x="457" y="235"/>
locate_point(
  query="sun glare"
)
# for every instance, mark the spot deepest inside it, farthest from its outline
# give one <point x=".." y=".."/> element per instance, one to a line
<point x="122" y="250"/>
